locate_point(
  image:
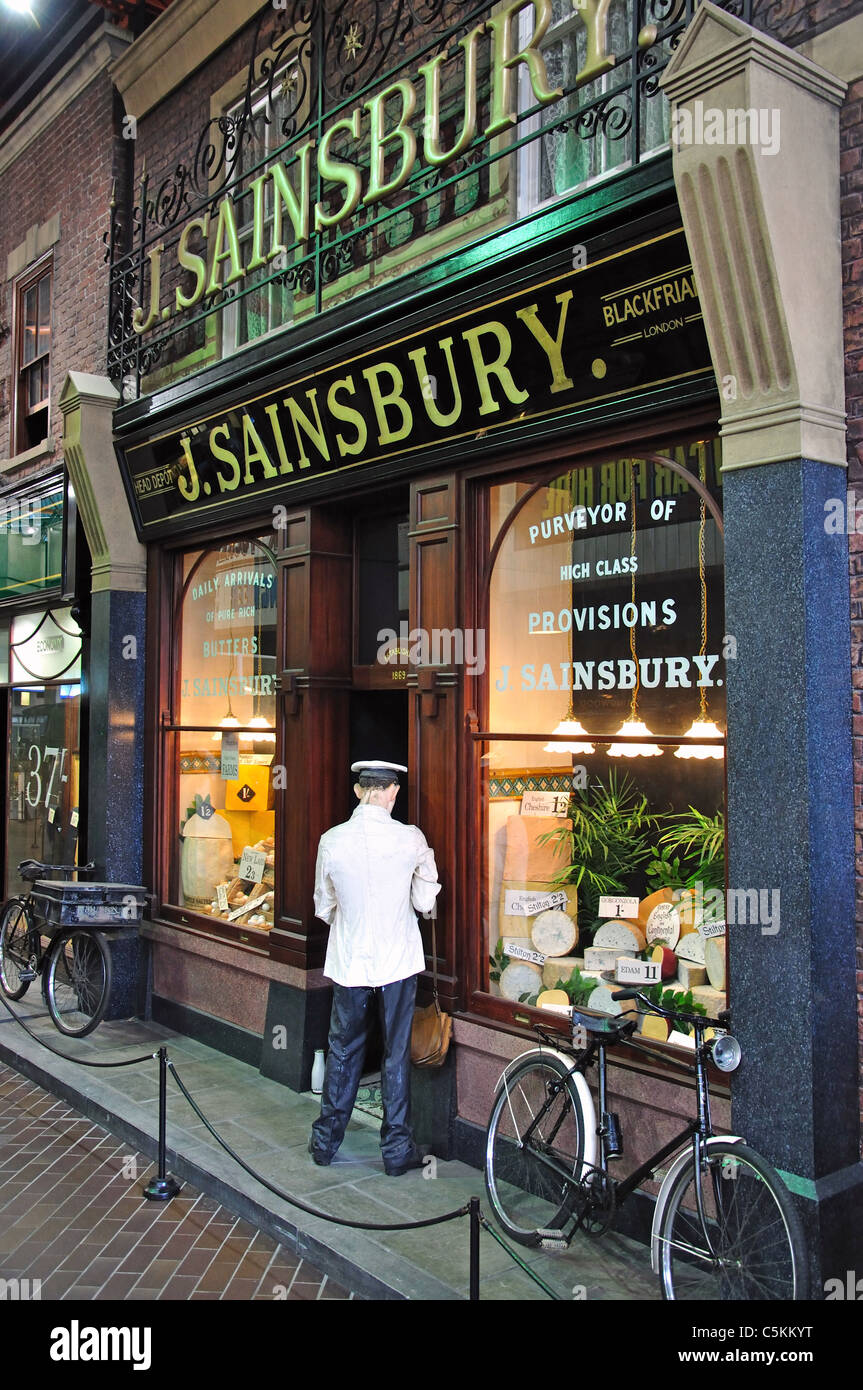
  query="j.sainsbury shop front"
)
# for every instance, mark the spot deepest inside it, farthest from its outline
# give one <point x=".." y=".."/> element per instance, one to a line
<point x="420" y="429"/>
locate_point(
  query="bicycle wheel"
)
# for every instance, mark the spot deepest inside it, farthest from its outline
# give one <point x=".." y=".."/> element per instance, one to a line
<point x="18" y="943"/>
<point x="78" y="981"/>
<point x="536" y="1116"/>
<point x="755" y="1231"/>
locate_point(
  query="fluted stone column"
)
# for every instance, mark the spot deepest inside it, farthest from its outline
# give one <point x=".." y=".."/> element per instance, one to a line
<point x="763" y="231"/>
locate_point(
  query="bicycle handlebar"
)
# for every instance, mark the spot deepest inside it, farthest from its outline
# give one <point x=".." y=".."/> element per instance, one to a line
<point x="700" y="1020"/>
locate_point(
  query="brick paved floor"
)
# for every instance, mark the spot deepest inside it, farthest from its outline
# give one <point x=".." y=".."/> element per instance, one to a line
<point x="72" y="1216"/>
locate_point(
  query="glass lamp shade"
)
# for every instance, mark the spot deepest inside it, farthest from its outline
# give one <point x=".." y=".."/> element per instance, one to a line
<point x="701" y="728"/>
<point x="634" y="728"/>
<point x="569" y="728"/>
<point x="230" y="721"/>
<point x="263" y="731"/>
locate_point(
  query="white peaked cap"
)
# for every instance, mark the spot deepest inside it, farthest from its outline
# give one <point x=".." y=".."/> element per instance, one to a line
<point x="376" y="766"/>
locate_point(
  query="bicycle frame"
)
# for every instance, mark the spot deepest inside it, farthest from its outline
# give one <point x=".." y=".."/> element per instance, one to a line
<point x="699" y="1131"/>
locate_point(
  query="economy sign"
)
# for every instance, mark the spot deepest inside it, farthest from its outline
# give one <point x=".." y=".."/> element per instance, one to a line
<point x="627" y="322"/>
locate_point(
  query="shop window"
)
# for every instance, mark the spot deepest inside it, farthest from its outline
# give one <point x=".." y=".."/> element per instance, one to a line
<point x="33" y="357"/>
<point x="43" y="773"/>
<point x="382" y="559"/>
<point x="601" y="755"/>
<point x="596" y="136"/>
<point x="221" y="742"/>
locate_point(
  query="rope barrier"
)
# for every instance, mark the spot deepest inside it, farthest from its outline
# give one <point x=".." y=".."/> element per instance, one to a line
<point x="81" y="1061"/>
<point x="302" y="1206"/>
<point x="164" y="1187"/>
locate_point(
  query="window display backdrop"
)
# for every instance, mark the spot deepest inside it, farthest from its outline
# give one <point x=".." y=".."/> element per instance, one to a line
<point x="604" y="825"/>
<point x="226" y="703"/>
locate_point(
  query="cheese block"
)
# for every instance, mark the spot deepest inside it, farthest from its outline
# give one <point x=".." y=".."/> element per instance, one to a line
<point x="654" y="1026"/>
<point x="681" y="1039"/>
<point x="602" y="1001"/>
<point x="553" y="932"/>
<point x="515" y="924"/>
<point x="689" y="974"/>
<point x="691" y="948"/>
<point x="518" y="978"/>
<point x="713" y="999"/>
<point x="555" y="999"/>
<point x="604" y="957"/>
<point x="560" y="968"/>
<point x="616" y="932"/>
<point x="714" y="961"/>
<point x="525" y="857"/>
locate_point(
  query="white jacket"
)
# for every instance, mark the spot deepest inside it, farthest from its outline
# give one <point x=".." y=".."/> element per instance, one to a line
<point x="371" y="873"/>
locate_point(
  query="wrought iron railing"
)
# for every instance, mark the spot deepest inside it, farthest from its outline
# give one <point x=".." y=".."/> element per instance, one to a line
<point x="314" y="65"/>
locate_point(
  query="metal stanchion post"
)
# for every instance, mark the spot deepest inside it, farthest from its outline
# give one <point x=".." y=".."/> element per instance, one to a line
<point x="474" y="1249"/>
<point x="162" y="1187"/>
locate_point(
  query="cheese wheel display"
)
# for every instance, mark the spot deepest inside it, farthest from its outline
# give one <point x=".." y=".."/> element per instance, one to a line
<point x="665" y="958"/>
<point x="663" y="925"/>
<point x="714" y="961"/>
<point x="627" y="935"/>
<point x="602" y="1001"/>
<point x="553" y="932"/>
<point x="518" y="978"/>
<point x="556" y="999"/>
<point x="646" y="906"/>
<point x="689" y="910"/>
<point x="604" y="957"/>
<point x="516" y="924"/>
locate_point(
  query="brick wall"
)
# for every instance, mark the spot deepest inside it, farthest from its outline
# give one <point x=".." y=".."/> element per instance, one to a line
<point x="68" y="171"/>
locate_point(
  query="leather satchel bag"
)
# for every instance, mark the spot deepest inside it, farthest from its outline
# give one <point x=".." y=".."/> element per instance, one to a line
<point x="432" y="1028"/>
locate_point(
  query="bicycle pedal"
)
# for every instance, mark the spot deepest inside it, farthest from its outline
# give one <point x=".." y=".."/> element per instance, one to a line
<point x="26" y="976"/>
<point x="552" y="1240"/>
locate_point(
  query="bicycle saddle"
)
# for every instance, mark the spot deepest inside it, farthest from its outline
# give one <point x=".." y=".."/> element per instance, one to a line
<point x="611" y="1027"/>
<point x="31" y="869"/>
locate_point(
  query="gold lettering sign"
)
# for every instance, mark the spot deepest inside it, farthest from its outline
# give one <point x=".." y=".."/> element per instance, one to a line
<point x="390" y="121"/>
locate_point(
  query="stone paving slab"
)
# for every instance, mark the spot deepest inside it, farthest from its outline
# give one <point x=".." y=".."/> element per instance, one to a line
<point x="268" y="1125"/>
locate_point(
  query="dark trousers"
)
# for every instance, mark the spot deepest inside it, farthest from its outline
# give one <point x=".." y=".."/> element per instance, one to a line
<point x="347" y="1042"/>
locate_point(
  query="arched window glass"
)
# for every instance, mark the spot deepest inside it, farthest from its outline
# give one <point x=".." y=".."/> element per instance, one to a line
<point x="602" y="748"/>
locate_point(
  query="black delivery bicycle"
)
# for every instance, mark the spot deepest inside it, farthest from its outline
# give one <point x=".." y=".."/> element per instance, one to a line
<point x="74" y="962"/>
<point x="724" y="1225"/>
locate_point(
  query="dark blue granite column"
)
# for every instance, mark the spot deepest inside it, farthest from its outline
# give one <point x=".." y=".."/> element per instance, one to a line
<point x="116" y="734"/>
<point x="791" y="831"/>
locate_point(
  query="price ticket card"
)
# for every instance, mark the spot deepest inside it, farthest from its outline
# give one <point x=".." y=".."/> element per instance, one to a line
<point x="252" y="865"/>
<point x="712" y="928"/>
<point x="618" y="907"/>
<point x="222" y="896"/>
<point x="51" y="814"/>
<point x="230" y="768"/>
<point x="638" y="972"/>
<point x="545" y="804"/>
<point x="519" y="952"/>
<point x="520" y="902"/>
<point x="73" y="819"/>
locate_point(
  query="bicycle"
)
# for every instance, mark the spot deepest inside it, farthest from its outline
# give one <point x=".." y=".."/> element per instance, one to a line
<point x="74" y="962"/>
<point x="724" y="1224"/>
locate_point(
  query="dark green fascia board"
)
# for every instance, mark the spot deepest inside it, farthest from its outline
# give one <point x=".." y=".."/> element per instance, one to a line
<point x="520" y="439"/>
<point x="632" y="192"/>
